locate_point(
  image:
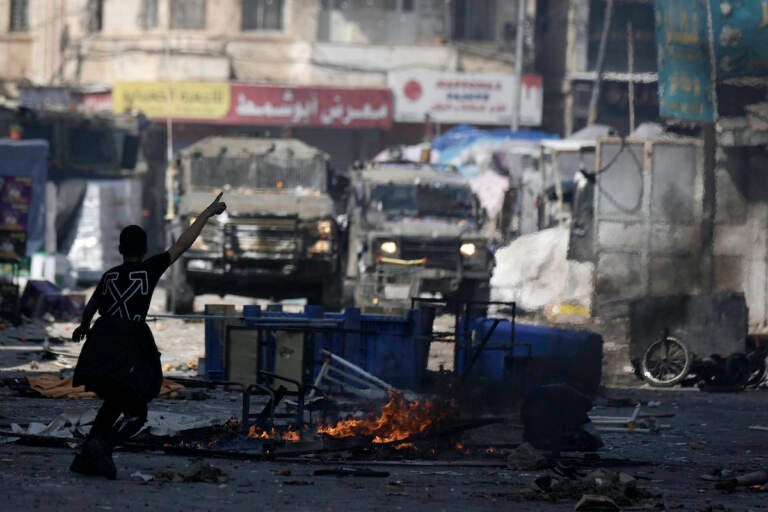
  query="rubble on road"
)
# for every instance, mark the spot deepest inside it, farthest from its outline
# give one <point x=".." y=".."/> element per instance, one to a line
<point x="527" y="458"/>
<point x="198" y="471"/>
<point x="620" y="488"/>
<point x="751" y="480"/>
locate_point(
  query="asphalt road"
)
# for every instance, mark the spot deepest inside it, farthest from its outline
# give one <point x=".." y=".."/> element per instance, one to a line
<point x="706" y="433"/>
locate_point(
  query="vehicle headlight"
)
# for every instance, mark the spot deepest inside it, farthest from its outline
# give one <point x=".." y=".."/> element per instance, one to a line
<point x="468" y="249"/>
<point x="388" y="247"/>
<point x="321" y="247"/>
<point x="203" y="265"/>
<point x="324" y="227"/>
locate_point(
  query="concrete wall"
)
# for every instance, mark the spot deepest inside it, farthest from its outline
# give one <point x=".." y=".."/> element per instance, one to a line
<point x="648" y="215"/>
<point x="60" y="49"/>
<point x="741" y="229"/>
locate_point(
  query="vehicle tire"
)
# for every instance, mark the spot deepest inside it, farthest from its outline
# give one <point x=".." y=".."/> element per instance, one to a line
<point x="666" y="362"/>
<point x="180" y="297"/>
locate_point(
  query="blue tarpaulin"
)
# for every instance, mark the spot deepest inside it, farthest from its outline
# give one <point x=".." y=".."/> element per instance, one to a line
<point x="29" y="159"/>
<point x="452" y="147"/>
<point x="465" y="136"/>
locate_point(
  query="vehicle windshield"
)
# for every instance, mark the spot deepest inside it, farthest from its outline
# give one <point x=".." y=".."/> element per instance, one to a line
<point x="92" y="146"/>
<point x="432" y="200"/>
<point x="258" y="173"/>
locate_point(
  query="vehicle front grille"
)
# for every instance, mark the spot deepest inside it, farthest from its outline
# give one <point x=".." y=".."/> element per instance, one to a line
<point x="443" y="254"/>
<point x="265" y="237"/>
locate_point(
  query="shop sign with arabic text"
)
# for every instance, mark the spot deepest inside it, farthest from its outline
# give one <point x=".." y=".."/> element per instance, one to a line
<point x="310" y="106"/>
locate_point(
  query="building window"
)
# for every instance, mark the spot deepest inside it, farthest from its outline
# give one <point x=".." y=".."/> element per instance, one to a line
<point x="95" y="13"/>
<point x="188" y="14"/>
<point x="262" y="14"/>
<point x="19" y="16"/>
<point x="474" y="20"/>
<point x="148" y="14"/>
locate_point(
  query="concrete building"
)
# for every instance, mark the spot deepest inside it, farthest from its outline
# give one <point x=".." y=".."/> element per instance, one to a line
<point x="568" y="34"/>
<point x="91" y="45"/>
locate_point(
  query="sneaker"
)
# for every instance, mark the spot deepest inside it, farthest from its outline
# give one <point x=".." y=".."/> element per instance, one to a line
<point x="83" y="464"/>
<point x="100" y="453"/>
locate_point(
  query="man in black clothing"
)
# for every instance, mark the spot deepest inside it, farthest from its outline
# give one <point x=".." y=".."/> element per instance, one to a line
<point x="120" y="361"/>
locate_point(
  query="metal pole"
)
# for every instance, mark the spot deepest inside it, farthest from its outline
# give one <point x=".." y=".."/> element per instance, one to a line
<point x="519" y="42"/>
<point x="709" y="135"/>
<point x="600" y="62"/>
<point x="168" y="139"/>
<point x="631" y="69"/>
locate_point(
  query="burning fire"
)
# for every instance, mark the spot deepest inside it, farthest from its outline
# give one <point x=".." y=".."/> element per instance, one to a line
<point x="255" y="432"/>
<point x="399" y="419"/>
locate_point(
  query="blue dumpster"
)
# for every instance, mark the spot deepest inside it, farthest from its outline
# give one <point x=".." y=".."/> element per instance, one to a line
<point x="394" y="349"/>
<point x="527" y="355"/>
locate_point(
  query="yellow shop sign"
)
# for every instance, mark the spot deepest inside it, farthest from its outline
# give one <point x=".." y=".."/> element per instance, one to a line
<point x="178" y="100"/>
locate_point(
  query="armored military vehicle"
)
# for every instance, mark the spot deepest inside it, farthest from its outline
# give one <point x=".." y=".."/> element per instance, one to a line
<point x="279" y="237"/>
<point x="415" y="230"/>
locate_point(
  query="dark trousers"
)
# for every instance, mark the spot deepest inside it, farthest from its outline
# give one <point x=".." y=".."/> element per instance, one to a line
<point x="120" y="417"/>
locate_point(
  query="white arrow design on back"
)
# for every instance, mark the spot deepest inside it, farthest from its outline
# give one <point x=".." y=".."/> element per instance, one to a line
<point x="138" y="283"/>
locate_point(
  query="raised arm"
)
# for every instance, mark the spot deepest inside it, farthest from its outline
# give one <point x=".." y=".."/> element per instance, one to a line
<point x="188" y="237"/>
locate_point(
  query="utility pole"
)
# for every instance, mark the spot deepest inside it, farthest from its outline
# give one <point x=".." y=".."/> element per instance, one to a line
<point x="519" y="42"/>
<point x="709" y="136"/>
<point x="631" y="70"/>
<point x="607" y="18"/>
<point x="169" y="167"/>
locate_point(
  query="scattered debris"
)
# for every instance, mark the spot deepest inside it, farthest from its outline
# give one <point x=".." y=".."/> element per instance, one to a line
<point x="620" y="488"/>
<point x="66" y="426"/>
<point x="362" y="472"/>
<point x="298" y="482"/>
<point x="758" y="478"/>
<point x="593" y="502"/>
<point x="138" y="475"/>
<point x="527" y="458"/>
<point x="395" y="488"/>
<point x="198" y="471"/>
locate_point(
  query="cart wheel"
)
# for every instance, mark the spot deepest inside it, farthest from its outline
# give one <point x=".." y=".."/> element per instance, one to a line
<point x="666" y="362"/>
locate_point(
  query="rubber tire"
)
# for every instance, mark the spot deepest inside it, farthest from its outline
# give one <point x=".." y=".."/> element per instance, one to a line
<point x="646" y="374"/>
<point x="180" y="297"/>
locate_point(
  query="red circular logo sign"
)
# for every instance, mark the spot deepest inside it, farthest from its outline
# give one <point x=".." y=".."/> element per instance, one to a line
<point x="412" y="90"/>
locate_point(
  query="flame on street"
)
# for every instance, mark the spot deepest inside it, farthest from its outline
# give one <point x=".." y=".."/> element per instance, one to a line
<point x="255" y="432"/>
<point x="399" y="419"/>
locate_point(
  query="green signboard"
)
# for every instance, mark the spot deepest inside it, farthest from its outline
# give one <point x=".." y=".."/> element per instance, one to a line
<point x="736" y="42"/>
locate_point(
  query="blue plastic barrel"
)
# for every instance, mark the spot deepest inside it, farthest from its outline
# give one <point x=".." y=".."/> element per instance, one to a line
<point x="534" y="355"/>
